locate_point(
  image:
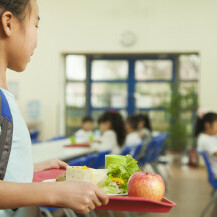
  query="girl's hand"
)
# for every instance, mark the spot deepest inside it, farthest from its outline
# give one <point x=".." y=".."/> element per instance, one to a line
<point x="81" y="197"/>
<point x="51" y="164"/>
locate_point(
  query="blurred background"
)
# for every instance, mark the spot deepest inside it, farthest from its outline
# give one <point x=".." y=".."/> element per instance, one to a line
<point x="151" y="57"/>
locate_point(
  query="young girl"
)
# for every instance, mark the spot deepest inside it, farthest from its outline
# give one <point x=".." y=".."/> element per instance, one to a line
<point x="133" y="137"/>
<point x="19" y="21"/>
<point x="206" y="131"/>
<point x="111" y="125"/>
<point x="144" y="126"/>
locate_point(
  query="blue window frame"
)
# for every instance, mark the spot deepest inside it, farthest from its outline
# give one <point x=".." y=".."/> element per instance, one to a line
<point x="130" y="81"/>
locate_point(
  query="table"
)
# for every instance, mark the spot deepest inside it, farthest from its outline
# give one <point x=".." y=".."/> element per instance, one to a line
<point x="55" y="150"/>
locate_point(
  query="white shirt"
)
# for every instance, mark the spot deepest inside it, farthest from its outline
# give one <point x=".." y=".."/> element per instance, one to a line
<point x="20" y="164"/>
<point x="208" y="144"/>
<point x="82" y="136"/>
<point x="133" y="139"/>
<point x="109" y="142"/>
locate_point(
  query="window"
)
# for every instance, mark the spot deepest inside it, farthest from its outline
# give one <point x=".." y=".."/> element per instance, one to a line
<point x="75" y="92"/>
<point x="128" y="84"/>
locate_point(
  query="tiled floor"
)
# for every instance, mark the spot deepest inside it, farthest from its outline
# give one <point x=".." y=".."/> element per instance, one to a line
<point x="188" y="188"/>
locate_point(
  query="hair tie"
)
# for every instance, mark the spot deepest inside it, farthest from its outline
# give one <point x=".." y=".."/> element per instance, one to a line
<point x="112" y="111"/>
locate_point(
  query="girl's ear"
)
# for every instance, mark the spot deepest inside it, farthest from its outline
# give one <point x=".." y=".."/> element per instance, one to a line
<point x="6" y="22"/>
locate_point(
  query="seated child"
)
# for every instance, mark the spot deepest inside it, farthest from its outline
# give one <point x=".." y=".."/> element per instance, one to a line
<point x="113" y="135"/>
<point x="144" y="126"/>
<point x="86" y="132"/>
<point x="133" y="137"/>
<point x="206" y="131"/>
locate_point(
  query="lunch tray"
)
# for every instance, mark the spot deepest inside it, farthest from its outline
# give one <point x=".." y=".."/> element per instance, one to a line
<point x="118" y="203"/>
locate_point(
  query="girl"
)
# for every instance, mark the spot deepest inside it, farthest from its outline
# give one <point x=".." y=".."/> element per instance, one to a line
<point x="19" y="21"/>
<point x="133" y="137"/>
<point x="144" y="126"/>
<point x="111" y="125"/>
<point x="206" y="131"/>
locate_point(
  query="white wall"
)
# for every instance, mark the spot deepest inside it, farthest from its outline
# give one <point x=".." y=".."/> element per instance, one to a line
<point x="96" y="25"/>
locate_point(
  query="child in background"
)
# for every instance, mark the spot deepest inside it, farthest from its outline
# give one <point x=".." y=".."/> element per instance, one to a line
<point x="18" y="40"/>
<point x="133" y="137"/>
<point x="144" y="126"/>
<point x="86" y="132"/>
<point x="206" y="131"/>
<point x="112" y="127"/>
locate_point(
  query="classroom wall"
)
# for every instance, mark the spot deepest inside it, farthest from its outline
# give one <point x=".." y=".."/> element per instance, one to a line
<point x="95" y="26"/>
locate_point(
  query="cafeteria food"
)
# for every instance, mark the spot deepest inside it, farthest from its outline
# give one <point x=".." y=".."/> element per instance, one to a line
<point x="120" y="168"/>
<point x="61" y="178"/>
<point x="147" y="185"/>
<point x="85" y="174"/>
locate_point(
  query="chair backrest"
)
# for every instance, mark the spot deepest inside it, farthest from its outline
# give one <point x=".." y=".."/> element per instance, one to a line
<point x="211" y="176"/>
<point x="159" y="145"/>
<point x="100" y="159"/>
<point x="34" y="135"/>
<point x="126" y="150"/>
<point x="77" y="161"/>
<point x="90" y="160"/>
<point x="135" y="150"/>
<point x="154" y="149"/>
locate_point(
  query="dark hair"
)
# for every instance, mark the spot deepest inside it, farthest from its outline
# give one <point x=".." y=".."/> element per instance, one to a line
<point x="117" y="124"/>
<point x="87" y="119"/>
<point x="133" y="121"/>
<point x="145" y="118"/>
<point x="209" y="117"/>
<point x="16" y="7"/>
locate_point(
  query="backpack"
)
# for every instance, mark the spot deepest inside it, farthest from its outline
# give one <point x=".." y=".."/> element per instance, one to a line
<point x="6" y="133"/>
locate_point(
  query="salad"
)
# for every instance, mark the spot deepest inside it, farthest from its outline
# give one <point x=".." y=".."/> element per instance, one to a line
<point x="120" y="168"/>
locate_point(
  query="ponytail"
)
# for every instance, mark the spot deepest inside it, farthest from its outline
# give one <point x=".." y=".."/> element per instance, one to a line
<point x="200" y="122"/>
<point x="117" y="125"/>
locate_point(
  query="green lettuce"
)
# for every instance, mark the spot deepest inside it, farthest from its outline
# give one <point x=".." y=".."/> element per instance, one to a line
<point x="121" y="170"/>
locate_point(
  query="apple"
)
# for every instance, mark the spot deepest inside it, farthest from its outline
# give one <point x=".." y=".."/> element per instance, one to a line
<point x="147" y="185"/>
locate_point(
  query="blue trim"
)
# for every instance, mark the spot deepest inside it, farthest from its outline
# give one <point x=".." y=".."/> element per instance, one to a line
<point x="107" y="108"/>
<point x="5" y="109"/>
<point x="89" y="89"/>
<point x="131" y="88"/>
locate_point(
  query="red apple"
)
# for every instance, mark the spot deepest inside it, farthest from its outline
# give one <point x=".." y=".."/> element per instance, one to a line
<point x="145" y="184"/>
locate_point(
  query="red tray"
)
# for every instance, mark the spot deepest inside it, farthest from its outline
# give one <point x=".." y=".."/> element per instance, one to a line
<point x="118" y="203"/>
<point x="77" y="146"/>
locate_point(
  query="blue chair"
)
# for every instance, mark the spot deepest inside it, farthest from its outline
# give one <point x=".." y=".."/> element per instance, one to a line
<point x="126" y="150"/>
<point x="213" y="182"/>
<point x="154" y="149"/>
<point x="90" y="160"/>
<point x="77" y="161"/>
<point x="153" y="152"/>
<point x="100" y="160"/>
<point x="34" y="134"/>
<point x="135" y="150"/>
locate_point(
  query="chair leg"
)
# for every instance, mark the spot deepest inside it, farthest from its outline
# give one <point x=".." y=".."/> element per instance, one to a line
<point x="212" y="200"/>
<point x="110" y="213"/>
<point x="93" y="213"/>
<point x="69" y="213"/>
<point x="46" y="212"/>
